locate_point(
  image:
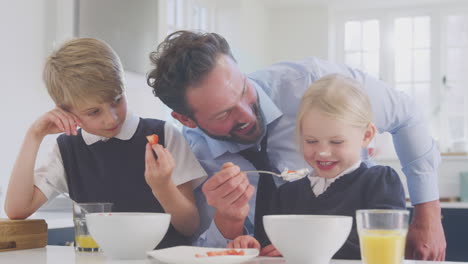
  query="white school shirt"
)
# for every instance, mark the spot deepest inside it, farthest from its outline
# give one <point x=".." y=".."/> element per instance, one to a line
<point x="319" y="184"/>
<point x="51" y="171"/>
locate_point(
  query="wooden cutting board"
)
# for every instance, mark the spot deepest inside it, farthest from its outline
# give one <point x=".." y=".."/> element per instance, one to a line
<point x="22" y="234"/>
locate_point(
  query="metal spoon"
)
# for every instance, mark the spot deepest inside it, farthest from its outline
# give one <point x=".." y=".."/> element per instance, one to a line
<point x="267" y="172"/>
<point x="286" y="174"/>
<point x="66" y="195"/>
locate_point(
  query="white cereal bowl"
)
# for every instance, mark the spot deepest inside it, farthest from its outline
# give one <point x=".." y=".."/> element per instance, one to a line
<point x="127" y="235"/>
<point x="307" y="239"/>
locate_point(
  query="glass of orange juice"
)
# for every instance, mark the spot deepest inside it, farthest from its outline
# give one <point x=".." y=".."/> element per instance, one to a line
<point x="382" y="235"/>
<point x="83" y="240"/>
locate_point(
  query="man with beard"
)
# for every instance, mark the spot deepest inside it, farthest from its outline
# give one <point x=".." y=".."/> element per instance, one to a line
<point x="228" y="115"/>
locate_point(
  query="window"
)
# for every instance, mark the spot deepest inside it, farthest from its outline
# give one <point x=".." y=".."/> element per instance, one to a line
<point x="199" y="19"/>
<point x="455" y="104"/>
<point x="187" y="14"/>
<point x="422" y="52"/>
<point x="412" y="51"/>
<point x="362" y="44"/>
<point x="174" y="15"/>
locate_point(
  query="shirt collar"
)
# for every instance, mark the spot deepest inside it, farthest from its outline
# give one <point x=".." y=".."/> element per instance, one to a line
<point x="271" y="113"/>
<point x="129" y="128"/>
<point x="319" y="184"/>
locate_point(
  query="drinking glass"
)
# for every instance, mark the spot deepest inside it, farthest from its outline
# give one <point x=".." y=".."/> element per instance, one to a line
<point x="382" y="235"/>
<point x="83" y="240"/>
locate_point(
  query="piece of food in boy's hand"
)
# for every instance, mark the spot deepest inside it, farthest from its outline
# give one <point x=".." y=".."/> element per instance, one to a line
<point x="229" y="252"/>
<point x="153" y="139"/>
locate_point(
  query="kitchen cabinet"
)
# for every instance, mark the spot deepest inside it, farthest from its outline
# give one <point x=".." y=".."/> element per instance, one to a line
<point x="59" y="222"/>
<point x="61" y="236"/>
<point x="455" y="223"/>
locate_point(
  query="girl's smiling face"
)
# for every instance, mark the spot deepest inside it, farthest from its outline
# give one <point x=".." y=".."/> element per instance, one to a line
<point x="331" y="146"/>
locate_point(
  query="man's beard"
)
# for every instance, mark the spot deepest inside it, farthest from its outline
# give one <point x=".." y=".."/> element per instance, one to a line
<point x="232" y="137"/>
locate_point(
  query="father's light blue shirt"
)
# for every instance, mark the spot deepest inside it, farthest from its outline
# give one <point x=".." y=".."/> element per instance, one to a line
<point x="280" y="88"/>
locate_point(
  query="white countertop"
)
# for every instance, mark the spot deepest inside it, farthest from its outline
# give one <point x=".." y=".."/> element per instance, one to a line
<point x="58" y="213"/>
<point x="55" y="219"/>
<point x="62" y="254"/>
<point x="64" y="219"/>
<point x="459" y="205"/>
<point x="444" y="205"/>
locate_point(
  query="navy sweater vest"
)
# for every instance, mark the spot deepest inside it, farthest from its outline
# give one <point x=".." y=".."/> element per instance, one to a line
<point x="113" y="171"/>
<point x="378" y="187"/>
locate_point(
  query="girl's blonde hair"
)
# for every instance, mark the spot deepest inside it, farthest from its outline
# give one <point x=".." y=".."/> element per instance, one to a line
<point x="339" y="97"/>
<point x="83" y="71"/>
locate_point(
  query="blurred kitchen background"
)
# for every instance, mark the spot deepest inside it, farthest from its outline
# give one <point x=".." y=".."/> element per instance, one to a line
<point x="419" y="46"/>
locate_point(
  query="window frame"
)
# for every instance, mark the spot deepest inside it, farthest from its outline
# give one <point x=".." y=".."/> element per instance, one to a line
<point x="164" y="28"/>
<point x="386" y="16"/>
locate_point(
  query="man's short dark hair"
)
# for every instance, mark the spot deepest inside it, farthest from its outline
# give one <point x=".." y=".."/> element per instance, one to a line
<point x="183" y="59"/>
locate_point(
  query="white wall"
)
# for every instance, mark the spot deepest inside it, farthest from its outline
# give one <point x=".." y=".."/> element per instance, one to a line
<point x="297" y="32"/>
<point x="130" y="27"/>
<point x="253" y="43"/>
<point x="30" y="30"/>
<point x="141" y="99"/>
<point x="22" y="51"/>
<point x="244" y="24"/>
<point x="261" y="32"/>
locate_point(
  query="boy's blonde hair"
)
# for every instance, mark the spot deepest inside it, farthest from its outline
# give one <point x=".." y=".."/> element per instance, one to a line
<point x="339" y="97"/>
<point x="83" y="71"/>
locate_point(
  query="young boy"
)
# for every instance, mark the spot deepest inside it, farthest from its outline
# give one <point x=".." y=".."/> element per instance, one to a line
<point x="108" y="159"/>
<point x="334" y="123"/>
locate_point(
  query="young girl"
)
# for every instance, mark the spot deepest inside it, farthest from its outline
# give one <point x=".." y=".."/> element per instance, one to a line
<point x="334" y="124"/>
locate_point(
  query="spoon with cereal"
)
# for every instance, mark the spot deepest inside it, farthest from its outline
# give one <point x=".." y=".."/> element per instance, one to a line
<point x="287" y="175"/>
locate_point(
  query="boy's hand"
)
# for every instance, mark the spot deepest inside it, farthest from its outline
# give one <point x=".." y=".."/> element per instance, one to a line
<point x="158" y="171"/>
<point x="55" y="121"/>
<point x="244" y="242"/>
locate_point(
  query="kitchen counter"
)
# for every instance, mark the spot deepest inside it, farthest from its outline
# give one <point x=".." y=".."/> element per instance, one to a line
<point x="453" y="205"/>
<point x="55" y="219"/>
<point x="459" y="205"/>
<point x="59" y="224"/>
<point x="61" y="254"/>
<point x="57" y="213"/>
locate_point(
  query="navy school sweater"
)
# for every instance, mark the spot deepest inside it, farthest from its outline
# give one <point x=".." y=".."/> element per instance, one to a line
<point x="377" y="187"/>
<point x="113" y="171"/>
